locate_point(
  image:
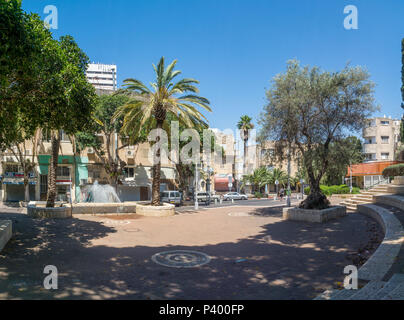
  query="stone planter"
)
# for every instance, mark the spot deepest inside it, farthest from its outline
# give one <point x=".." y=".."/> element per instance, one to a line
<point x="6" y="232"/>
<point x="38" y="210"/>
<point x="145" y="209"/>
<point x="318" y="216"/>
<point x="396" y="186"/>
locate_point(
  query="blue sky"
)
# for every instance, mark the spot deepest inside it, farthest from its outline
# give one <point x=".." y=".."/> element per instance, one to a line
<point x="234" y="47"/>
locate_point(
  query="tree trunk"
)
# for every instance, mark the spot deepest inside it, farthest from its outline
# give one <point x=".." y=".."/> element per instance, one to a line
<point x="26" y="188"/>
<point x="316" y="199"/>
<point x="157" y="175"/>
<point x="52" y="171"/>
<point x="245" y="157"/>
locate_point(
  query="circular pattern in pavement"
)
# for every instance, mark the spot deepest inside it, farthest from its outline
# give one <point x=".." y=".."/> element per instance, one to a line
<point x="181" y="259"/>
<point x="239" y="214"/>
<point x="116" y="222"/>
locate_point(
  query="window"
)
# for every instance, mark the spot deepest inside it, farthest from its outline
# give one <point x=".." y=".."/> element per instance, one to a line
<point x="370" y="140"/>
<point x="385" y="139"/>
<point x="371" y="123"/>
<point x="12" y="168"/>
<point x="370" y="156"/>
<point x="63" y="171"/>
<point x="385" y="155"/>
<point x="44" y="184"/>
<point x="129" y="172"/>
<point x="384" y="122"/>
<point x="63" y="136"/>
<point x="96" y="174"/>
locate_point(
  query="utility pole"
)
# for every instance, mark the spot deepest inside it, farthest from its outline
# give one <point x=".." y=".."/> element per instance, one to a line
<point x="196" y="186"/>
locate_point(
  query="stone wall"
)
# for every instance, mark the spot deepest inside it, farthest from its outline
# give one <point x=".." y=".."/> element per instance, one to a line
<point x="49" y="213"/>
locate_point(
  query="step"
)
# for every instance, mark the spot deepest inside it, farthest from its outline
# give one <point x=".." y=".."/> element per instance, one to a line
<point x="335" y="294"/>
<point x="393" y="283"/>
<point x="364" y="197"/>
<point x="326" y="295"/>
<point x="395" y="294"/>
<point x="368" y="291"/>
<point x="360" y="202"/>
<point x="343" y="294"/>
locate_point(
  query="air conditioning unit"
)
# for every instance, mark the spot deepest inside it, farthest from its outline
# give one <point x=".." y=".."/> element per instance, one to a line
<point x="130" y="153"/>
<point x="90" y="150"/>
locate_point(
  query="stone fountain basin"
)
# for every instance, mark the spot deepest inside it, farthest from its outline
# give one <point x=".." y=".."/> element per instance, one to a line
<point x="101" y="208"/>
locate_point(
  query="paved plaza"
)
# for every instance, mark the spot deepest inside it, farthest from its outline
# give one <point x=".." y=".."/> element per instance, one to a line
<point x="242" y="252"/>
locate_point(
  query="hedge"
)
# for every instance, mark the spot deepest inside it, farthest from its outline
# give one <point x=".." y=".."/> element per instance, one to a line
<point x="330" y="190"/>
<point x="394" y="170"/>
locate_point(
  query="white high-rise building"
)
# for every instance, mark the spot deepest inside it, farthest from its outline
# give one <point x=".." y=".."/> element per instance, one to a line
<point x="102" y="76"/>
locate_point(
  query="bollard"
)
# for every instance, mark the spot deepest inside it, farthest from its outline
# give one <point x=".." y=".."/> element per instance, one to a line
<point x="215" y="202"/>
<point x="232" y="200"/>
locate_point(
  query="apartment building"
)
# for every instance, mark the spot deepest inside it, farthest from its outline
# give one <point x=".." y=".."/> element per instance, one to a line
<point x="380" y="140"/>
<point x="381" y="137"/>
<point x="102" y="76"/>
<point x="76" y="172"/>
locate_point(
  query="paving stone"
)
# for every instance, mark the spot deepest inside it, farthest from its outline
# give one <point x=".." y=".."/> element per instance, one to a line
<point x="368" y="291"/>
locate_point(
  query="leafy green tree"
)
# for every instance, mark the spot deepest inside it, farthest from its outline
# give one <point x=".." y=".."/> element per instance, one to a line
<point x="104" y="123"/>
<point x="310" y="109"/>
<point x="68" y="101"/>
<point x="344" y="152"/>
<point x="152" y="106"/>
<point x="245" y="125"/>
<point x="24" y="66"/>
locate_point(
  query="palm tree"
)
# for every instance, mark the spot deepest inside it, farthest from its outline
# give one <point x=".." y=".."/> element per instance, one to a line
<point x="150" y="107"/>
<point x="245" y="125"/>
<point x="258" y="179"/>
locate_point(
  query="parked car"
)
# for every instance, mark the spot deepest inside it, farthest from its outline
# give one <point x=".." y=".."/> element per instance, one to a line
<point x="173" y="197"/>
<point x="205" y="196"/>
<point x="234" y="196"/>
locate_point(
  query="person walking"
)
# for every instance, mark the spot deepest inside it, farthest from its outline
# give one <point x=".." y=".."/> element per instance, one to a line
<point x="281" y="193"/>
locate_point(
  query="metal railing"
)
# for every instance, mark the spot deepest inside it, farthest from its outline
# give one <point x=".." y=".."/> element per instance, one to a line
<point x="377" y="183"/>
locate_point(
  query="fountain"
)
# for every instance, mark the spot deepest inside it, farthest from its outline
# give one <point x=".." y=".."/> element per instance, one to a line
<point x="97" y="193"/>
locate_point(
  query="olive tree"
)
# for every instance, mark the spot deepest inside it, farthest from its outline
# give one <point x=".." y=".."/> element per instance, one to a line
<point x="309" y="109"/>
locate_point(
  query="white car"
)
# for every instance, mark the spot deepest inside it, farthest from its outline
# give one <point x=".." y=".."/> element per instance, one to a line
<point x="204" y="197"/>
<point x="173" y="197"/>
<point x="234" y="196"/>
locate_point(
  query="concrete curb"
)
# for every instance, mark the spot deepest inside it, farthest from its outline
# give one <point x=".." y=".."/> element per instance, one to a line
<point x="381" y="261"/>
<point x="6" y="232"/>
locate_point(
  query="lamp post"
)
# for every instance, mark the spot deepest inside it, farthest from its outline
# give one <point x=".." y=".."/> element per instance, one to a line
<point x="196" y="205"/>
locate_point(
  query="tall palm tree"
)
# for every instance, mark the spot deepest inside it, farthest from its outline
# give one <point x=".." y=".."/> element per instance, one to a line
<point x="245" y="125"/>
<point x="150" y="107"/>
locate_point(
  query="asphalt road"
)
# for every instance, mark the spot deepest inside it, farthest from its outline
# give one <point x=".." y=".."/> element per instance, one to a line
<point x="244" y="203"/>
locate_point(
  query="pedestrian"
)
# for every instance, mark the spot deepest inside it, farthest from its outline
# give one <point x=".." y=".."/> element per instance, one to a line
<point x="281" y="193"/>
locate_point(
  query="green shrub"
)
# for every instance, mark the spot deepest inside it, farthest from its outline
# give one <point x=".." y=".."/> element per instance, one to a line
<point x="394" y="170"/>
<point x="330" y="190"/>
<point x="258" y="195"/>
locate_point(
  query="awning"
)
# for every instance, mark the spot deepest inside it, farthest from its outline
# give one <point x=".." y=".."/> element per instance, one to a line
<point x="11" y="181"/>
<point x="370" y="168"/>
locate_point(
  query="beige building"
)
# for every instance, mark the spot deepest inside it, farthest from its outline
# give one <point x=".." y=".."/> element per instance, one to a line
<point x="381" y="136"/>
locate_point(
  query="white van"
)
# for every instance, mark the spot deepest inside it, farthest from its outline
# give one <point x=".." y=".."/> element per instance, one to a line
<point x="173" y="197"/>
